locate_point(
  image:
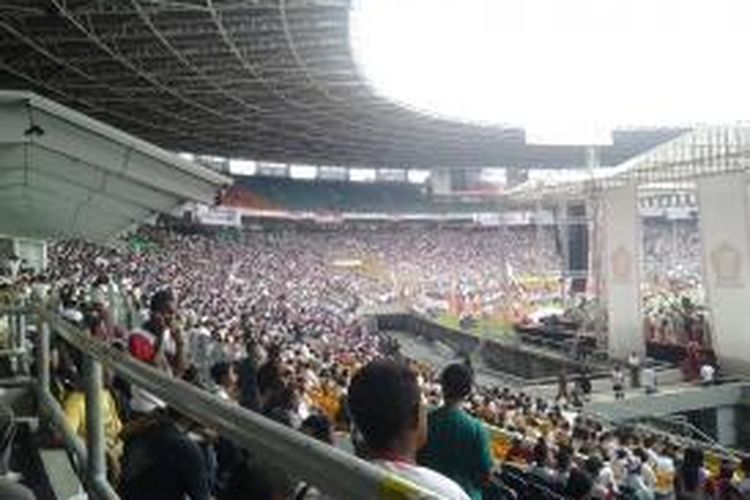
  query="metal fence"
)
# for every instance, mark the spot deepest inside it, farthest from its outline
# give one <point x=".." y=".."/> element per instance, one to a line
<point x="333" y="471"/>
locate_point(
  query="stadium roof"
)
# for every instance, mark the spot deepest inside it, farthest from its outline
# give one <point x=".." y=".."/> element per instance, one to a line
<point x="271" y="80"/>
<point x="65" y="174"/>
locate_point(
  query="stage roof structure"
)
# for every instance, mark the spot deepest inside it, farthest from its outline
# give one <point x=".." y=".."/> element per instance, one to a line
<point x="704" y="151"/>
<point x="63" y="174"/>
<point x="269" y="80"/>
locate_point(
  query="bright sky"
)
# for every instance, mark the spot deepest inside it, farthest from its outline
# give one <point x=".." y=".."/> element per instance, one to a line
<point x="560" y="65"/>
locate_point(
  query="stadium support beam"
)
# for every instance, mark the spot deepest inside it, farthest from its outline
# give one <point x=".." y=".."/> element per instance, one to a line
<point x="440" y="181"/>
<point x="64" y="174"/>
<point x="723" y="201"/>
<point x="622" y="272"/>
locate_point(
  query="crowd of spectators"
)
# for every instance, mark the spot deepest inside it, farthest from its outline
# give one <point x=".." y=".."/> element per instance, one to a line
<point x="671" y="248"/>
<point x="267" y="321"/>
<point x="408" y="264"/>
<point x="673" y="295"/>
<point x="672" y="318"/>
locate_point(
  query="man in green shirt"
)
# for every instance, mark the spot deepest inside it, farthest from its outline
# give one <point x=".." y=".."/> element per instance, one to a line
<point x="458" y="444"/>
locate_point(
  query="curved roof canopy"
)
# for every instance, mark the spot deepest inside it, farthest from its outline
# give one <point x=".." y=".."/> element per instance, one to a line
<point x="271" y="80"/>
<point x="64" y="174"/>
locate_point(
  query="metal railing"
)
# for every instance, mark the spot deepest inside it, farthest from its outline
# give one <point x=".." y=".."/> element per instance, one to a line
<point x="654" y="425"/>
<point x="679" y="425"/>
<point x="335" y="472"/>
<point x="14" y="348"/>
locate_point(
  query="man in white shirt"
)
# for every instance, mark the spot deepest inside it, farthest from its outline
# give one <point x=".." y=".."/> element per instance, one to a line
<point x="650" y="382"/>
<point x="664" y="470"/>
<point x="385" y="403"/>
<point x="158" y="343"/>
<point x="708" y="373"/>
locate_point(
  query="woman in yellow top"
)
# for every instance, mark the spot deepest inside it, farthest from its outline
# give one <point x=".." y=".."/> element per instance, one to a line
<point x="75" y="413"/>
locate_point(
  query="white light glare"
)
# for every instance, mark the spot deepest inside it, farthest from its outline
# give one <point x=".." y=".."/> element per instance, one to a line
<point x="587" y="64"/>
<point x="418" y="176"/>
<point x="494" y="175"/>
<point x="306" y="172"/>
<point x="242" y="167"/>
<point x="362" y="174"/>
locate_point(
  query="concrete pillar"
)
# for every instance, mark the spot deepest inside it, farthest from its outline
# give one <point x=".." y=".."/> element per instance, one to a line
<point x="726" y="425"/>
<point x="440" y="181"/>
<point x="623" y="271"/>
<point x="726" y="269"/>
<point x="563" y="229"/>
<point x="95" y="437"/>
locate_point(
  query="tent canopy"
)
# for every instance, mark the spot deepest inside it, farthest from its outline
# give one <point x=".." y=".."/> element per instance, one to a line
<point x="63" y="174"/>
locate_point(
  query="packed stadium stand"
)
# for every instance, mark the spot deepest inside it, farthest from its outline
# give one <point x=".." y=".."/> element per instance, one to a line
<point x="185" y="316"/>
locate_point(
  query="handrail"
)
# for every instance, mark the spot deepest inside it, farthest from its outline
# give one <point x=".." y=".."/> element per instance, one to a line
<point x="333" y="471"/>
<point x="637" y="421"/>
<point x="684" y="424"/>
